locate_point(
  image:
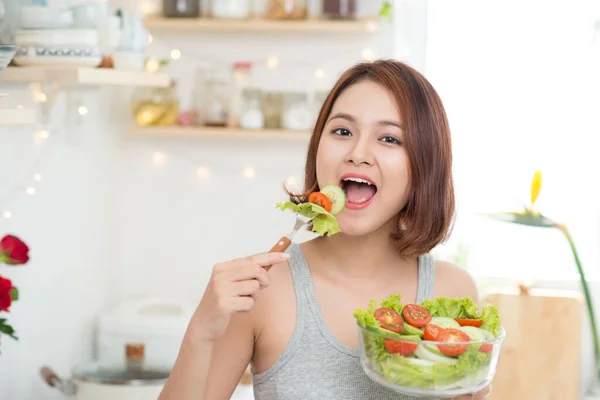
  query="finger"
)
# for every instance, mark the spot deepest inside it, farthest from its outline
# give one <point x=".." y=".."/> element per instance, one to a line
<point x="246" y="288"/>
<point x="250" y="272"/>
<point x="264" y="278"/>
<point x="268" y="259"/>
<point x="242" y="303"/>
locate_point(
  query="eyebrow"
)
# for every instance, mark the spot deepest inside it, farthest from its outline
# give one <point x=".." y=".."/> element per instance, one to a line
<point x="350" y="118"/>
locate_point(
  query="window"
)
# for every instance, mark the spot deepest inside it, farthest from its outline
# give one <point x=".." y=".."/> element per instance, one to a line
<point x="520" y="82"/>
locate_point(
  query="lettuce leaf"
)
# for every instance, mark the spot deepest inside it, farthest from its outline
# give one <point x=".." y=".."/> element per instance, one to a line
<point x="450" y="307"/>
<point x="393" y="302"/>
<point x="324" y="223"/>
<point x="491" y="320"/>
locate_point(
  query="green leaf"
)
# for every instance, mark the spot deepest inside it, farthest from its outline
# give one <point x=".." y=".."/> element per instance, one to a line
<point x="7" y="329"/>
<point x="14" y="294"/>
<point x="323" y="223"/>
<point x="528" y="218"/>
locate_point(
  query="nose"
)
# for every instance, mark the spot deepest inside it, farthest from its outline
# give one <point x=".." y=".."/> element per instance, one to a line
<point x="360" y="152"/>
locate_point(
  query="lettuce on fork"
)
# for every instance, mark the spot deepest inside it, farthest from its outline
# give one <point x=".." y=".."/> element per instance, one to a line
<point x="324" y="222"/>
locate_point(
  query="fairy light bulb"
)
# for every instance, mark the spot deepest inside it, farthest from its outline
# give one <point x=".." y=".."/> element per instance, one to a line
<point x="6" y="214"/>
<point x="30" y="191"/>
<point x="82" y="110"/>
<point x="203" y="173"/>
<point x="152" y="65"/>
<point x="319" y="73"/>
<point x="175" y="54"/>
<point x="41" y="97"/>
<point x="150" y="39"/>
<point x="291" y="181"/>
<point x="37" y="177"/>
<point x="249" y="173"/>
<point x="272" y="62"/>
<point x="159" y="159"/>
<point x="368" y="54"/>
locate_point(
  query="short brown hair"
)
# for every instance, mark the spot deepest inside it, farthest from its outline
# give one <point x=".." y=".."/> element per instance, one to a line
<point x="426" y="219"/>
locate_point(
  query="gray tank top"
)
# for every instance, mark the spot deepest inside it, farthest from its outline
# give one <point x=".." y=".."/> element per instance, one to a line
<point x="315" y="365"/>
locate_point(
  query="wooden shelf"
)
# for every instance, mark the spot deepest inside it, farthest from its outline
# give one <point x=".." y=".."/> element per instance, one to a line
<point x="84" y="76"/>
<point x="16" y="116"/>
<point x="309" y="26"/>
<point x="216" y="133"/>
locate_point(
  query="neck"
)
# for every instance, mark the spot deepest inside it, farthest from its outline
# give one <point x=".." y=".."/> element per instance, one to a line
<point x="360" y="256"/>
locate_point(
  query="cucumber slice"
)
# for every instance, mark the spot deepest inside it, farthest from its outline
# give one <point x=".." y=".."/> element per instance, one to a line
<point x="408" y="329"/>
<point x="337" y="197"/>
<point x="476" y="334"/>
<point x="432" y="348"/>
<point x="444" y="322"/>
<point x="424" y="353"/>
<point x="488" y="334"/>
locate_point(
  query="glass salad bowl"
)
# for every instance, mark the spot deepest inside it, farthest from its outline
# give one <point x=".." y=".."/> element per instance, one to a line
<point x="460" y="360"/>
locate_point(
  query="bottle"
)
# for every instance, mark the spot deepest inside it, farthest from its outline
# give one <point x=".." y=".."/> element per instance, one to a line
<point x="181" y="8"/>
<point x="241" y="79"/>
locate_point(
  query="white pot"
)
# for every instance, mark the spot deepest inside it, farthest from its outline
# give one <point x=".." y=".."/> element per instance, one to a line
<point x="94" y="382"/>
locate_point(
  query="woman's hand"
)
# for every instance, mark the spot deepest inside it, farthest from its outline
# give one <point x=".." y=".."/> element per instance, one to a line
<point x="481" y="395"/>
<point x="233" y="288"/>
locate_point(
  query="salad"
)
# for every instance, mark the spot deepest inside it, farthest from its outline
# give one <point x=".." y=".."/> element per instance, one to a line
<point x="323" y="206"/>
<point x="439" y="344"/>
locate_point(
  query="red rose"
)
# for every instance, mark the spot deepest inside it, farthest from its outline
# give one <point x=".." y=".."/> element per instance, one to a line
<point x="5" y="299"/>
<point x="13" y="250"/>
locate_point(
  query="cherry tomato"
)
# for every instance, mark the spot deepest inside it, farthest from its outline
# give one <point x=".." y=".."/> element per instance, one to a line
<point x="469" y="322"/>
<point x="404" y="348"/>
<point x="431" y="332"/>
<point x="389" y="319"/>
<point x="452" y="337"/>
<point x="320" y="199"/>
<point x="416" y="315"/>
<point x="486" y="348"/>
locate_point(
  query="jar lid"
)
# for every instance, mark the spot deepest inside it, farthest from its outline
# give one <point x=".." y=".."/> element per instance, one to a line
<point x="115" y="375"/>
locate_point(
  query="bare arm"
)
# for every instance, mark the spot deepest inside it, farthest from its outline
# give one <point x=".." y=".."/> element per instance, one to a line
<point x="219" y="341"/>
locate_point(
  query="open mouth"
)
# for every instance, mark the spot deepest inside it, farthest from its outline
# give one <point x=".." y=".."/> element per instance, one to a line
<point x="359" y="190"/>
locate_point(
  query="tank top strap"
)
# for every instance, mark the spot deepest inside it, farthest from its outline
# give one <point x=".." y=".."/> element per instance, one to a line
<point x="426" y="281"/>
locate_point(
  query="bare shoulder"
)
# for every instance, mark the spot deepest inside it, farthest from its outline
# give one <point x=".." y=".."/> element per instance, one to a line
<point x="454" y="281"/>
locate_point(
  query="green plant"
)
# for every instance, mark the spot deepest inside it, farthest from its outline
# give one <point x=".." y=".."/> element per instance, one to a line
<point x="528" y="216"/>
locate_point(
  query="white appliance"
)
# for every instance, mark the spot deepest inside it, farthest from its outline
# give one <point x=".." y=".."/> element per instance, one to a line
<point x="157" y="323"/>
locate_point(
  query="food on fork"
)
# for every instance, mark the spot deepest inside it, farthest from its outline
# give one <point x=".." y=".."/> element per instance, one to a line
<point x="322" y="207"/>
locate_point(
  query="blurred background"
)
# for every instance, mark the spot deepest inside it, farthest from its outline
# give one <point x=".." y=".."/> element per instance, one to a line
<point x="141" y="142"/>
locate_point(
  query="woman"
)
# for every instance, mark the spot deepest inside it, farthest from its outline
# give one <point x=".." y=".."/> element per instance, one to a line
<point x="382" y="134"/>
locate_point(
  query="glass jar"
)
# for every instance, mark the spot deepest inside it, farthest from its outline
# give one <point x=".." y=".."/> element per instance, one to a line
<point x="241" y="79"/>
<point x="155" y="106"/>
<point x="271" y="108"/>
<point x="339" y="9"/>
<point x="297" y="113"/>
<point x="252" y="116"/>
<point x="286" y="9"/>
<point x="230" y="9"/>
<point x="181" y="8"/>
<point x="216" y="104"/>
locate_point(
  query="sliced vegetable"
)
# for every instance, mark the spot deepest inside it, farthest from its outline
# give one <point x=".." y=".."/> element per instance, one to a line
<point x="416" y="315"/>
<point x="321" y="200"/>
<point x="337" y="197"/>
<point x="475" y="334"/>
<point x="402" y="347"/>
<point x="469" y="322"/>
<point x="486" y="348"/>
<point x="411" y="330"/>
<point x="452" y="338"/>
<point x="426" y="353"/>
<point x="444" y="322"/>
<point x="431" y="332"/>
<point x="389" y="319"/>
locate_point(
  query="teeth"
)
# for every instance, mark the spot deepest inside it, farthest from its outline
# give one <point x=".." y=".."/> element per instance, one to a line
<point x="358" y="180"/>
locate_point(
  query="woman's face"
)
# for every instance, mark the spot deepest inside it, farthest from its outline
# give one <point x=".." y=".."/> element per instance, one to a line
<point x="362" y="150"/>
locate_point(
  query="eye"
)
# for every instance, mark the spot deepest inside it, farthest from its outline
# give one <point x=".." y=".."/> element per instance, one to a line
<point x="391" y="140"/>
<point x="342" y="132"/>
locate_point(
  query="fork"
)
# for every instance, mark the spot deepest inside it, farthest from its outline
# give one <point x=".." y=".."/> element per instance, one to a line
<point x="285" y="241"/>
